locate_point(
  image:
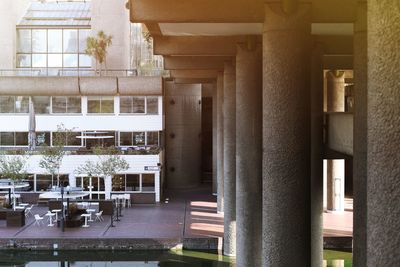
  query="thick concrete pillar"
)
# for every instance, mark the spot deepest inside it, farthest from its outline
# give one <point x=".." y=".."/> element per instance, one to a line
<point x="286" y="135"/>
<point x="317" y="100"/>
<point x="335" y="184"/>
<point x="248" y="154"/>
<point x="220" y="142"/>
<point x="229" y="159"/>
<point x="360" y="138"/>
<point x="335" y="84"/>
<point x="335" y="91"/>
<point x="383" y="120"/>
<point x="214" y="140"/>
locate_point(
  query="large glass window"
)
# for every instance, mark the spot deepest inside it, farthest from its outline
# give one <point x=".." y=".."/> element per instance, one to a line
<point x="39" y="41"/>
<point x="42" y="104"/>
<point x="63" y="104"/>
<point x="52" y="48"/>
<point x="66" y="138"/>
<point x="132" y="182"/>
<point x="148" y="184"/>
<point x="152" y="104"/>
<point x="24" y="41"/>
<point x="138" y="104"/>
<point x="100" y="104"/>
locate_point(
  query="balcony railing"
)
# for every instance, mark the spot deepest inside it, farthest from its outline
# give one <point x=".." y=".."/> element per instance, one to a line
<point x="71" y="72"/>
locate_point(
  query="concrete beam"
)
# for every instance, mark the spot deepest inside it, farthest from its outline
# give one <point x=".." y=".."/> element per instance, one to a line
<point x="194" y="80"/>
<point x="240" y="11"/>
<point x="195" y="62"/>
<point x="226" y="45"/>
<point x="197" y="45"/>
<point x="338" y="62"/>
<point x="194" y="74"/>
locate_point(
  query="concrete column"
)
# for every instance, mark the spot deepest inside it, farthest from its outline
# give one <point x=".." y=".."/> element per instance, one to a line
<point x="360" y="138"/>
<point x="383" y="120"/>
<point x="214" y="140"/>
<point x="248" y="154"/>
<point x="335" y="170"/>
<point x="317" y="92"/>
<point x="335" y="184"/>
<point x="220" y="142"/>
<point x="335" y="91"/>
<point x="229" y="159"/>
<point x="286" y="135"/>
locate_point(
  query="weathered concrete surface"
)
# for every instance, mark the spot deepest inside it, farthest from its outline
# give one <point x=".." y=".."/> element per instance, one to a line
<point x="183" y="139"/>
<point x="220" y="142"/>
<point x="98" y="86"/>
<point x="286" y="137"/>
<point x="360" y="138"/>
<point x="248" y="155"/>
<point x="340" y="132"/>
<point x="335" y="91"/>
<point x="140" y="85"/>
<point x="383" y="157"/>
<point x="317" y="85"/>
<point x="229" y="109"/>
<point x="214" y="139"/>
<point x="39" y="86"/>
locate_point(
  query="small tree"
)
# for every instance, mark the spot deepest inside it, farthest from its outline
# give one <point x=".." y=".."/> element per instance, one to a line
<point x="109" y="164"/>
<point x="53" y="155"/>
<point x="14" y="168"/>
<point x="97" y="48"/>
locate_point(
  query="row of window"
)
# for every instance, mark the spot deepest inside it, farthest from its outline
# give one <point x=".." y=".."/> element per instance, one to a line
<point x="143" y="182"/>
<point x="52" y="48"/>
<point x="73" y="104"/>
<point x="75" y="139"/>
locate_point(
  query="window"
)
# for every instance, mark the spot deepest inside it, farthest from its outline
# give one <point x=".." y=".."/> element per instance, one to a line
<point x="43" y="182"/>
<point x="100" y="104"/>
<point x="14" y="138"/>
<point x="152" y="138"/>
<point x="125" y="139"/>
<point x="14" y="104"/>
<point x="42" y="104"/>
<point x="152" y="105"/>
<point x="52" y="48"/>
<point x="7" y="138"/>
<point x="139" y="104"/>
<point x="21" y="138"/>
<point x="43" y="138"/>
<point x="62" y="104"/>
<point x="66" y="138"/>
<point x="132" y="182"/>
<point x="138" y="138"/>
<point x="148" y="182"/>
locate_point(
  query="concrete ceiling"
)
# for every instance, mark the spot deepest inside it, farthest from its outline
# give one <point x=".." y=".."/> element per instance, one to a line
<point x="231" y="29"/>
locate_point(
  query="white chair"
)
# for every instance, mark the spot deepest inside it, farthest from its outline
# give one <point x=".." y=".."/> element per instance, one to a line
<point x="28" y="211"/>
<point x="99" y="216"/>
<point x="128" y="200"/>
<point x="38" y="220"/>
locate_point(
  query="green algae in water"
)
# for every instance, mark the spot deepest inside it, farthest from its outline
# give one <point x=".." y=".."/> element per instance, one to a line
<point x="338" y="258"/>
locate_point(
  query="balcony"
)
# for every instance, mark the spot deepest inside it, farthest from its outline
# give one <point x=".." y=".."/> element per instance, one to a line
<point x="78" y="72"/>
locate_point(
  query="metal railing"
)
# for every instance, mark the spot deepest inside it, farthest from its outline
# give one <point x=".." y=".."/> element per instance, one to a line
<point x="79" y="72"/>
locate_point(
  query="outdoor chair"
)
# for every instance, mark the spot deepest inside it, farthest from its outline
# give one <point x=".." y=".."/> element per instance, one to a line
<point x="99" y="216"/>
<point x="128" y="200"/>
<point x="38" y="220"/>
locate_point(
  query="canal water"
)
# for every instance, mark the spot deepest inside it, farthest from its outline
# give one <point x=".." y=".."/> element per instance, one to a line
<point x="136" y="259"/>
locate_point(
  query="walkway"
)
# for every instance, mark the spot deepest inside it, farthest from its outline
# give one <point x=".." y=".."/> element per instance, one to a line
<point x="189" y="215"/>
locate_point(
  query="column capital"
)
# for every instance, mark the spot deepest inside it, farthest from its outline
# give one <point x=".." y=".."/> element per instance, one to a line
<point x="280" y="16"/>
<point x="335" y="74"/>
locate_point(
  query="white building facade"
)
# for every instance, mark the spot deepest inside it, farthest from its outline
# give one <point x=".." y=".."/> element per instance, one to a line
<point x="115" y="108"/>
